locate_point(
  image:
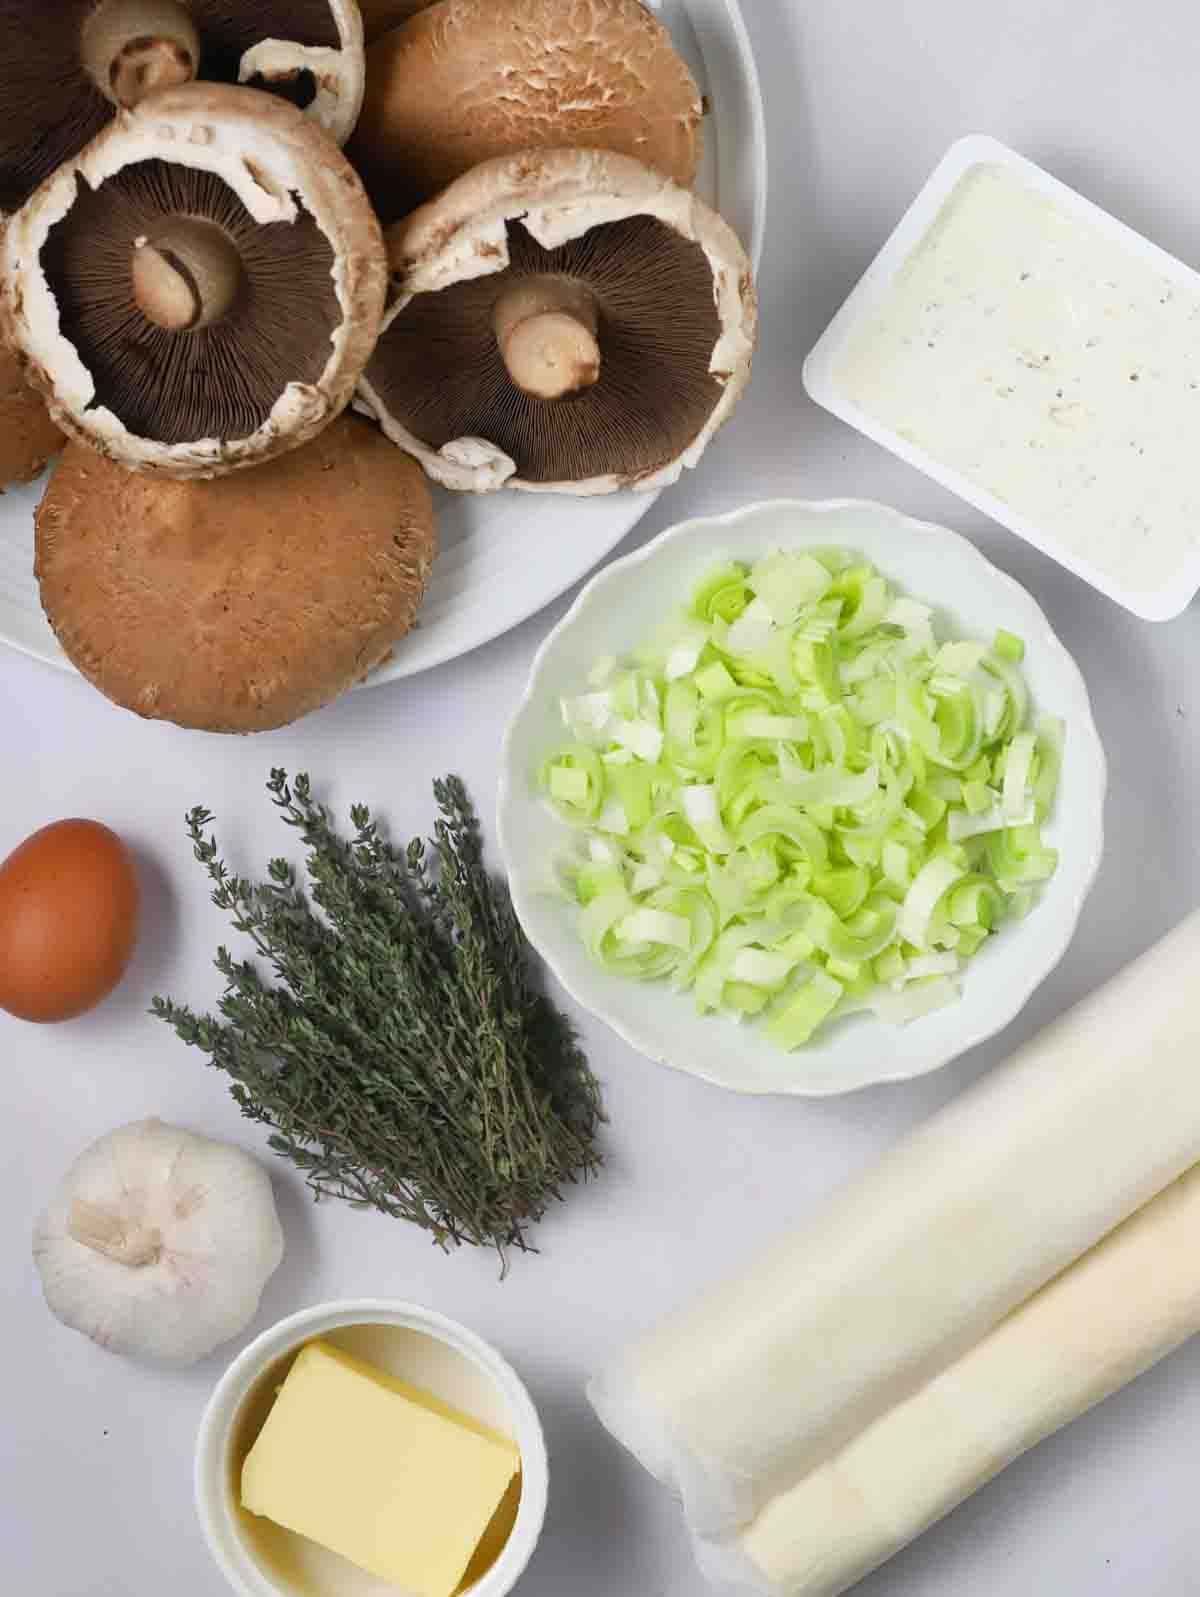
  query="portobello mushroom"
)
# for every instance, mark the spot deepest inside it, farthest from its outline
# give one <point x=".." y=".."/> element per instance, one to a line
<point x="568" y="321"/>
<point x="241" y="604"/>
<point x="201" y="287"/>
<point x="466" y="81"/>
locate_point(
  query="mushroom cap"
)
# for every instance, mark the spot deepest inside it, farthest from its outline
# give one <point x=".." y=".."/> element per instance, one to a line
<point x="261" y="380"/>
<point x="332" y="71"/>
<point x="466" y="81"/>
<point x="53" y="106"/>
<point x="241" y="604"/>
<point x="381" y="16"/>
<point x="677" y="312"/>
<point x="28" y="437"/>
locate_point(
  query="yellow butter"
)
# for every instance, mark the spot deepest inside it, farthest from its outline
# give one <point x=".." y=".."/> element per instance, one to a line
<point x="388" y="1476"/>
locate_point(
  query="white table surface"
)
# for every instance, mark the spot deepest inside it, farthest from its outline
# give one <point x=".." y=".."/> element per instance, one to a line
<point x="95" y="1454"/>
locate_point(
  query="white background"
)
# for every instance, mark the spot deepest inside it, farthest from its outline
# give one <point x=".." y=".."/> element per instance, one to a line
<point x="95" y="1454"/>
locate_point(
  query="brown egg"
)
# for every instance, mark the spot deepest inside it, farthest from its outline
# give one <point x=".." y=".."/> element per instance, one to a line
<point x="68" y="920"/>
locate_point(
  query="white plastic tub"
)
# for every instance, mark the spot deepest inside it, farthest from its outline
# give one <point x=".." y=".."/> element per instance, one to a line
<point x="1074" y="463"/>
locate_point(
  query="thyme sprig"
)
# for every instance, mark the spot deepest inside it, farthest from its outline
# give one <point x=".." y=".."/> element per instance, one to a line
<point x="402" y="1057"/>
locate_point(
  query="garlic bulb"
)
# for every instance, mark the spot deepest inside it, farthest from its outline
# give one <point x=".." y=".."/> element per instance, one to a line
<point x="159" y="1243"/>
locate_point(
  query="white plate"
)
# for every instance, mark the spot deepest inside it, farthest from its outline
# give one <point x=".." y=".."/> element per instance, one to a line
<point x="615" y="612"/>
<point x="505" y="556"/>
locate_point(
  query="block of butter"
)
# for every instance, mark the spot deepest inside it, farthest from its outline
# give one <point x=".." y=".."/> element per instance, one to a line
<point x="390" y="1477"/>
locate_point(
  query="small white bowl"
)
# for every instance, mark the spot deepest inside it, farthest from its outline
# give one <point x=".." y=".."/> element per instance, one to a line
<point x="617" y="610"/>
<point x="259" y="1559"/>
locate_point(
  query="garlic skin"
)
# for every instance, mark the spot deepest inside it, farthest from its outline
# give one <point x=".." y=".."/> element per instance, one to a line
<point x="159" y="1243"/>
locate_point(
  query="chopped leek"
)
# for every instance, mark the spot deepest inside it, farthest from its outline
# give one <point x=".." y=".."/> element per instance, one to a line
<point x="1018" y="775"/>
<point x="574" y="779"/>
<point x="933" y="882"/>
<point x="656" y="926"/>
<point x="799" y="801"/>
<point x="916" y="1000"/>
<point x="1008" y="646"/>
<point x="795" y="1022"/>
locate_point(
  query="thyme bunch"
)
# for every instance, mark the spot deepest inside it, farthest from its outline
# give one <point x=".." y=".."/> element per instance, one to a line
<point x="401" y="1057"/>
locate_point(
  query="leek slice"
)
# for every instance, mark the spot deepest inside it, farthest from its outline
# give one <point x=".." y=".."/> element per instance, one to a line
<point x="933" y="882"/>
<point x="917" y="1000"/>
<point x="1051" y="731"/>
<point x="715" y="683"/>
<point x="1018" y="776"/>
<point x="575" y="781"/>
<point x="704" y="817"/>
<point x="655" y="926"/>
<point x="1008" y="646"/>
<point x="789" y="582"/>
<point x="996" y="818"/>
<point x="757" y="968"/>
<point x="750" y="635"/>
<point x="723" y="594"/>
<point x="796" y="1021"/>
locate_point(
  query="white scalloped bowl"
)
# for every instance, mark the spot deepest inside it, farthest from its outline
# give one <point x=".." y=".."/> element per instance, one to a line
<point x="614" y="613"/>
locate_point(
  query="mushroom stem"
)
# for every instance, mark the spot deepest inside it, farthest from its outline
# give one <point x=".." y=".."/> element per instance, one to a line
<point x="104" y="1231"/>
<point x="187" y="275"/>
<point x="547" y="331"/>
<point x="133" y="47"/>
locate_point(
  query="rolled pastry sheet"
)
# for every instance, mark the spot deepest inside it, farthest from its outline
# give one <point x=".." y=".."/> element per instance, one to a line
<point x="1126" y="1304"/>
<point x="741" y="1396"/>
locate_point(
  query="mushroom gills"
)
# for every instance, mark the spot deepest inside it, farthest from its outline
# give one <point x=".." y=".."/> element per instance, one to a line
<point x="57" y="81"/>
<point x="440" y="369"/>
<point x="191" y="317"/>
<point x="52" y="106"/>
<point x="298" y="88"/>
<point x="229" y="28"/>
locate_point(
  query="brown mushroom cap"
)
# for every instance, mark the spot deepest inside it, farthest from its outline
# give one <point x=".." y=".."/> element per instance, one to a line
<point x="381" y="16"/>
<point x="28" y="437"/>
<point x="641" y="308"/>
<point x="200" y="289"/>
<point x="55" y="100"/>
<point x="241" y="604"/>
<point x="469" y="80"/>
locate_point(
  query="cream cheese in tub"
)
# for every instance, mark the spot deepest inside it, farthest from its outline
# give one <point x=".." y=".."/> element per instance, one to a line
<point x="1033" y="354"/>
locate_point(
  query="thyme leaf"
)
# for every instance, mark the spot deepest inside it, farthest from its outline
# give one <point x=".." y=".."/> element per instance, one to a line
<point x="401" y="1055"/>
